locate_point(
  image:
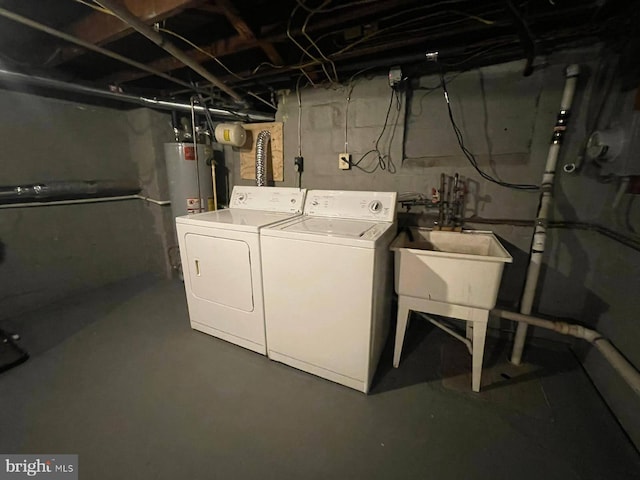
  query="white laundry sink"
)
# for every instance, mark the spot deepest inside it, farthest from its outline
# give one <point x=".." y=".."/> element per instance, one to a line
<point x="462" y="268"/>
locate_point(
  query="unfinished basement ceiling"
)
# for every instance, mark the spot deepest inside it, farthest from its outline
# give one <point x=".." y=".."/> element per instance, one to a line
<point x="261" y="46"/>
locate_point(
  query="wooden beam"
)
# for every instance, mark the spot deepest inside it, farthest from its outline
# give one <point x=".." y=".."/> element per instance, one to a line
<point x="153" y="35"/>
<point x="100" y="28"/>
<point x="246" y="32"/>
<point x="208" y="8"/>
<point x="232" y="14"/>
<point x="166" y="64"/>
<point x="272" y="53"/>
<point x="444" y="38"/>
<point x="238" y="44"/>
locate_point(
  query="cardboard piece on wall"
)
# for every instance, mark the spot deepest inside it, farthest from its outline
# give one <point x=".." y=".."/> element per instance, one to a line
<point x="275" y="153"/>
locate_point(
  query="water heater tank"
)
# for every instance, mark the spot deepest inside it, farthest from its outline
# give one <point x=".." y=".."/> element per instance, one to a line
<point x="184" y="178"/>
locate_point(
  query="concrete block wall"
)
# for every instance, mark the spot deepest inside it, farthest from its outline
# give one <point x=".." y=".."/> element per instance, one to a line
<point x="506" y="120"/>
<point x="50" y="252"/>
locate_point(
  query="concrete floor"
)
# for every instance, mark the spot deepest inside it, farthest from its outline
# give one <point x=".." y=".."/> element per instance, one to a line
<point x="125" y="383"/>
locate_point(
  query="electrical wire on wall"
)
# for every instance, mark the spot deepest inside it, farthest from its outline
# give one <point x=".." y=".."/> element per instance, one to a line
<point x="298" y="161"/>
<point x="351" y="84"/>
<point x="394" y="26"/>
<point x="383" y="161"/>
<point x="350" y="88"/>
<point x="428" y="90"/>
<point x="315" y="60"/>
<point x="468" y="154"/>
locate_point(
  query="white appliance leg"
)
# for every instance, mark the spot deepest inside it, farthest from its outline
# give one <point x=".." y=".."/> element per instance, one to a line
<point x="401" y="328"/>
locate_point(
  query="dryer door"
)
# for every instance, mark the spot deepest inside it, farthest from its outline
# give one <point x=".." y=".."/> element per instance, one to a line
<point x="220" y="270"/>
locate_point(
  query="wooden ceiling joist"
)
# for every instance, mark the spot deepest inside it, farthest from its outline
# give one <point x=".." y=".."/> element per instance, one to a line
<point x="239" y="43"/>
<point x="246" y="32"/>
<point x="100" y="28"/>
<point x="218" y="49"/>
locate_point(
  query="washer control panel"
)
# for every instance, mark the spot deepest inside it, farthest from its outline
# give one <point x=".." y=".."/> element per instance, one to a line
<point x="270" y="199"/>
<point x="379" y="206"/>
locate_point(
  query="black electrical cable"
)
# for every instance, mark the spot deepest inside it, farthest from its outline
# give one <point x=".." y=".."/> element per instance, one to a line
<point x="391" y="168"/>
<point x="467" y="153"/>
<point x="299" y="180"/>
<point x="382" y="159"/>
<point x="526" y="37"/>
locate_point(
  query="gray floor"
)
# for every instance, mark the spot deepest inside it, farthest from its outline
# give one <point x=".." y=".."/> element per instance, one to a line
<point x="125" y="383"/>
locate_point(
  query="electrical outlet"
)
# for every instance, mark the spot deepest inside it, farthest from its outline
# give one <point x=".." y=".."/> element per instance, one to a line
<point x="344" y="161"/>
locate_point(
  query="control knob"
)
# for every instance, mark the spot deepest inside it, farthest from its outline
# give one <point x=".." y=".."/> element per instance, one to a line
<point x="375" y="206"/>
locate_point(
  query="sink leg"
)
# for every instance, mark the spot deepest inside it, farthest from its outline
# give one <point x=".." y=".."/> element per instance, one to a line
<point x="401" y="328"/>
<point x="480" y="318"/>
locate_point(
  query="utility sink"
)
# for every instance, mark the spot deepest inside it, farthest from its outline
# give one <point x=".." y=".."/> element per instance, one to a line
<point x="462" y="268"/>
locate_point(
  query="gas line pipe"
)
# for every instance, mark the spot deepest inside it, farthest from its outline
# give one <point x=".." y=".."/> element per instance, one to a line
<point x="546" y="199"/>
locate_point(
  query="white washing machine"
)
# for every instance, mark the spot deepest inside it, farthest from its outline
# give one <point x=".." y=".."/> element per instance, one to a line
<point x="220" y="254"/>
<point x="328" y="285"/>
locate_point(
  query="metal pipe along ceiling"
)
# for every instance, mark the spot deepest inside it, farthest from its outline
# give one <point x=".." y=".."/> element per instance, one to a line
<point x="90" y="46"/>
<point x="22" y="79"/>
<point x="127" y="17"/>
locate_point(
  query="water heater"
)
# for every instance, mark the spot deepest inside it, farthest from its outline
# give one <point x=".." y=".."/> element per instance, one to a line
<point x="190" y="188"/>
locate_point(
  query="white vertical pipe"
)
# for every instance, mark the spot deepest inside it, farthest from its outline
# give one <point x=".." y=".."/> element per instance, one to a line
<point x="201" y="207"/>
<point x="546" y="198"/>
<point x="213" y="180"/>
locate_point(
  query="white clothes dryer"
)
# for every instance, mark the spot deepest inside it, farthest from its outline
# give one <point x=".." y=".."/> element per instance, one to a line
<point x="220" y="253"/>
<point x="328" y="285"/>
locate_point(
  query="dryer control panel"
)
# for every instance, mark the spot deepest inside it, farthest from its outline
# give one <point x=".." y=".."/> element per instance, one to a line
<point x="378" y="206"/>
<point x="270" y="199"/>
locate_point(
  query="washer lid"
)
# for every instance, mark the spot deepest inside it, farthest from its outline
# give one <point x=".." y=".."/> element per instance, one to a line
<point x="330" y="226"/>
<point x="235" y="219"/>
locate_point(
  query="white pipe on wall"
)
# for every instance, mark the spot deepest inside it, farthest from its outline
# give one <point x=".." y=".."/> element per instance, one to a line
<point x="546" y="198"/>
<point x="162" y="203"/>
<point x="608" y="351"/>
<point x="86" y="200"/>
